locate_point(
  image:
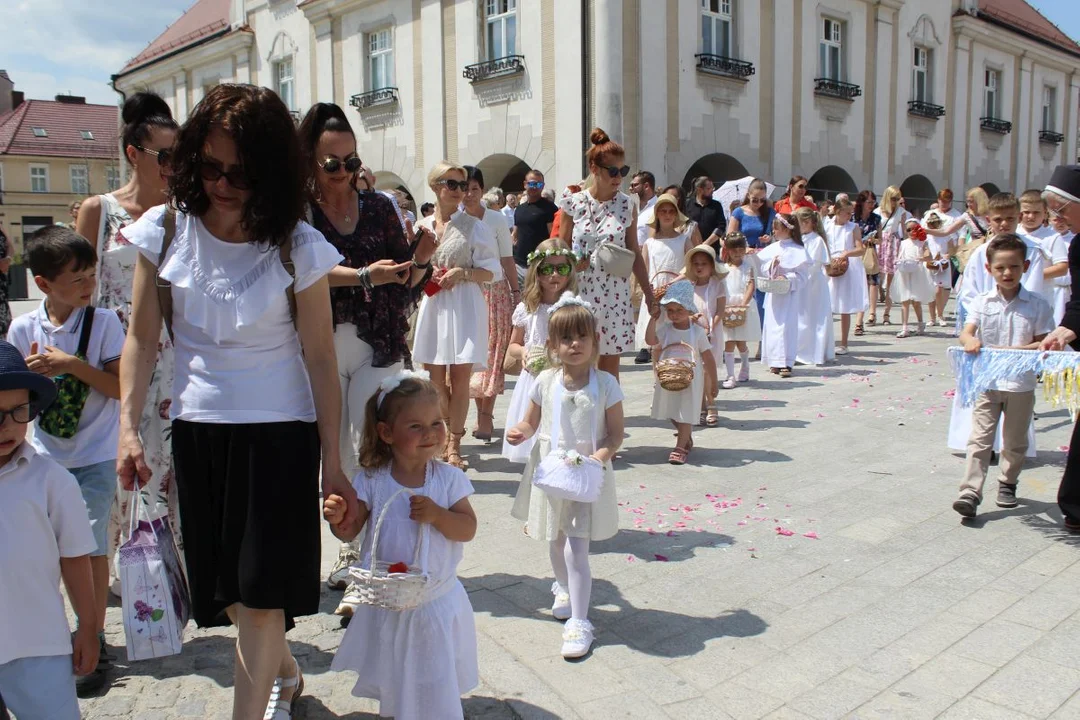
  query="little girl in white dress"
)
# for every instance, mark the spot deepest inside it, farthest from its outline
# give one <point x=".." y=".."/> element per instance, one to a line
<point x="911" y="285"/>
<point x="741" y="268"/>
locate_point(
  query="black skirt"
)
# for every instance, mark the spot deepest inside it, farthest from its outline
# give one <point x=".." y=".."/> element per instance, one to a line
<point x="249" y="511"/>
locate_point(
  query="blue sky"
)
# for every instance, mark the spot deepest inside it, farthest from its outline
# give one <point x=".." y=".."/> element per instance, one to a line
<point x="58" y="46"/>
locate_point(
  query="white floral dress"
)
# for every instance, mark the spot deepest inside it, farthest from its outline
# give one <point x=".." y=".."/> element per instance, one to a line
<point x="596" y="223"/>
<point x="116" y="278"/>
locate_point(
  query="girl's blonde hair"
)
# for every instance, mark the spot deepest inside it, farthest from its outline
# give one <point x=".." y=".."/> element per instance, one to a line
<point x="374" y="453"/>
<point x="688" y="265"/>
<point x="805" y="214"/>
<point x="532" y="295"/>
<point x="567" y="321"/>
<point x="982" y="200"/>
<point x="442" y="168"/>
<point x="890" y="200"/>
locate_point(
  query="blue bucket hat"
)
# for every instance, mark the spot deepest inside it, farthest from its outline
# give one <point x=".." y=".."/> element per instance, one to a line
<point x="681" y="292"/>
<point x="14" y="375"/>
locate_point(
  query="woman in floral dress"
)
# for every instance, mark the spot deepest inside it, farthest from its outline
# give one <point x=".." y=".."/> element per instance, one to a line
<point x="148" y="135"/>
<point x="893" y="216"/>
<point x="602" y="214"/>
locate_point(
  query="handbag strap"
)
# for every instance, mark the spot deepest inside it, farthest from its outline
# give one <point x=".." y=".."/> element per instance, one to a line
<point x="593" y="389"/>
<point x="975" y="220"/>
<point x="87" y="326"/>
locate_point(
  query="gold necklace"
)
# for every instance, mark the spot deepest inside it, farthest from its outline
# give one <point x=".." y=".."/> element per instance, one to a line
<point x="345" y="213"/>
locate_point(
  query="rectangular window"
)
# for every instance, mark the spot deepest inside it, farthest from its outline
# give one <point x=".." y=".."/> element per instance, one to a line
<point x="920" y="76"/>
<point x="381" y="59"/>
<point x="39" y="178"/>
<point x="831" y="49"/>
<point x="716" y="28"/>
<point x="991" y="98"/>
<point x="1049" y="111"/>
<point x="112" y="177"/>
<point x="501" y="22"/>
<point x="86" y="134"/>
<point x="40" y="132"/>
<point x="283" y="81"/>
<point x="80" y="180"/>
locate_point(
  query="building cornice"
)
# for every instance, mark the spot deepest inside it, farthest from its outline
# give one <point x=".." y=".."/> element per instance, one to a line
<point x="1012" y="43"/>
<point x="187" y="58"/>
<point x="318" y="10"/>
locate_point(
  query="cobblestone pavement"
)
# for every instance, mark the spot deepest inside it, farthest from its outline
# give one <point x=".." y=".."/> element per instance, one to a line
<point x="806" y="564"/>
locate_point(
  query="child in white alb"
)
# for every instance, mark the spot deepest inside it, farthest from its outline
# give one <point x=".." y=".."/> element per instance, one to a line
<point x="710" y="299"/>
<point x="574" y="408"/>
<point x="1063" y="284"/>
<point x="742" y="325"/>
<point x="416" y="662"/>
<point x="816" y="343"/>
<point x="786" y="258"/>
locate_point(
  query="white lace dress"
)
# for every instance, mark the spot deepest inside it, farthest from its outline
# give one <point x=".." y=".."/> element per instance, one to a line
<point x="452" y="325"/>
<point x="536" y="335"/>
<point x="417" y="663"/>
<point x="848" y="291"/>
<point x="683" y="406"/>
<point x="735" y="282"/>
<point x="582" y="417"/>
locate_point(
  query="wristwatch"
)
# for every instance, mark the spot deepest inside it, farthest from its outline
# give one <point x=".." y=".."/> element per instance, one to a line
<point x="421" y="266"/>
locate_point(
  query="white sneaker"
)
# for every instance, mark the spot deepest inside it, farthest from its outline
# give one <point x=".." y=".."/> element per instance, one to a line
<point x="349" y="602"/>
<point x="941" y="323"/>
<point x="561" y="607"/>
<point x="577" y="639"/>
<point x="339" y="575"/>
<point x="842" y="350"/>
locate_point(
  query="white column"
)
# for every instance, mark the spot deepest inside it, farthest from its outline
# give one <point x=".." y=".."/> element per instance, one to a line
<point x="1072" y="126"/>
<point x="654" y="37"/>
<point x="1023" y="132"/>
<point x="962" y="120"/>
<point x="180" y="111"/>
<point x="243" y="67"/>
<point x="431" y="66"/>
<point x="885" y="85"/>
<point x="608" y="54"/>
<point x="784" y="87"/>
<point x="569" y="109"/>
<point x="324" y="62"/>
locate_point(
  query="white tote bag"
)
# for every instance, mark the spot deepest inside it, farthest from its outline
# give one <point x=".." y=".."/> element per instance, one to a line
<point x="566" y="474"/>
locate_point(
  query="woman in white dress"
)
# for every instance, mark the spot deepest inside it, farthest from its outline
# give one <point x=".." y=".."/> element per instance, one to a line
<point x="602" y="215"/>
<point x="670" y="236"/>
<point x="784" y="259"/>
<point x="147" y="136"/>
<point x="452" y="324"/>
<point x="848" y="291"/>
<point x="815" y="306"/>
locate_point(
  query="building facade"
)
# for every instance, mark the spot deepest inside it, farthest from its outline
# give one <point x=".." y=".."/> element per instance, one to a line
<point x="849" y="93"/>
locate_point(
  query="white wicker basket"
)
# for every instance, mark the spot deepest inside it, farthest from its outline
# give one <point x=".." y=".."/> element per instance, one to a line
<point x="377" y="586"/>
<point x="775" y="285"/>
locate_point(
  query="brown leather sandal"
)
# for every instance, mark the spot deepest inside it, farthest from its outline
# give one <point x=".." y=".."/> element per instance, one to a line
<point x="453" y="451"/>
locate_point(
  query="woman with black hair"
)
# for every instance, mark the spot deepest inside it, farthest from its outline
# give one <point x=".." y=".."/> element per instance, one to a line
<point x="241" y="282"/>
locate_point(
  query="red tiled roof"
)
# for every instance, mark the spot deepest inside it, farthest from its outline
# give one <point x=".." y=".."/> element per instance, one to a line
<point x="64" y="123"/>
<point x="204" y="18"/>
<point x="1022" y="17"/>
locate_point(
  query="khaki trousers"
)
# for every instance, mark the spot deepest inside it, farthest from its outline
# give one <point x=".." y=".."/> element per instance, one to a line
<point x="1017" y="408"/>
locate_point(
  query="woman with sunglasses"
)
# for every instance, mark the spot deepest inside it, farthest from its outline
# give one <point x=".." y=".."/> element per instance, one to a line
<point x="598" y="215"/>
<point x="256" y="404"/>
<point x="147" y="136"/>
<point x="452" y="324"/>
<point x="795" y="197"/>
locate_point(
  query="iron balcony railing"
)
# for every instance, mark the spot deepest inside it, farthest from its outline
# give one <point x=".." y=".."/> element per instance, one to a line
<point x="994" y="125"/>
<point x="374" y="98"/>
<point x="828" y="87"/>
<point x="489" y="69"/>
<point x="925" y="109"/>
<point x="1049" y="136"/>
<point x="728" y="67"/>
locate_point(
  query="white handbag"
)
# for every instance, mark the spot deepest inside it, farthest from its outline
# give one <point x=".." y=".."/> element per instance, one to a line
<point x="566" y="474"/>
<point x="611" y="258"/>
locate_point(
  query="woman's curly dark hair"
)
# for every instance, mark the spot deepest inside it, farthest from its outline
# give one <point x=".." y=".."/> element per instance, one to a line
<point x="269" y="151"/>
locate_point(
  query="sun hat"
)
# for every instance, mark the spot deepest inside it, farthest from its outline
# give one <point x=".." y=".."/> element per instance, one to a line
<point x="719" y="270"/>
<point x="681" y="292"/>
<point x="14" y="375"/>
<point x="667" y="199"/>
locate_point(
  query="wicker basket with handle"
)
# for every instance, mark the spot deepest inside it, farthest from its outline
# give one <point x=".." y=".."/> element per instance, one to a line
<point x="675" y="374"/>
<point x="377" y="586"/>
<point x="734" y="317"/>
<point x="661" y="281"/>
<point x="774" y="282"/>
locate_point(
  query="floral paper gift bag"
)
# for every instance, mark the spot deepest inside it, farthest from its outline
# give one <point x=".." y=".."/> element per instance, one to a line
<point x="155" y="593"/>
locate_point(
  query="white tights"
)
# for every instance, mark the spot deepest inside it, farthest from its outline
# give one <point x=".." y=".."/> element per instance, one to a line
<point x="570" y="561"/>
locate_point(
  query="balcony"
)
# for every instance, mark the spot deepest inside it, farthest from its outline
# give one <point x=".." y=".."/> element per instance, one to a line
<point x="827" y="87"/>
<point x="374" y="98"/>
<point x="724" y="66"/>
<point x="1050" y="137"/>
<point x="491" y="69"/>
<point x="994" y="125"/>
<point x="923" y="109"/>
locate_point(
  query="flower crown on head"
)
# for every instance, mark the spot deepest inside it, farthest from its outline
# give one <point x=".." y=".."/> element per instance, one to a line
<point x="537" y="255"/>
<point x="783" y="221"/>
<point x="569" y="299"/>
<point x="391" y="383"/>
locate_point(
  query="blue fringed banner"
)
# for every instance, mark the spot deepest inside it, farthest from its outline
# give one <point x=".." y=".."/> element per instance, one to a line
<point x="977" y="372"/>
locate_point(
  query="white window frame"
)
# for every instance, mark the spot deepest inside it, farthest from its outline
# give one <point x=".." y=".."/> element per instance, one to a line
<point x="992" y="93"/>
<point x="79" y="185"/>
<point x="501" y="14"/>
<point x="285" y="83"/>
<point x="380" y="58"/>
<point x="832" y="38"/>
<point x="112" y="177"/>
<point x="44" y="175"/>
<point x="1049" y="108"/>
<point x="921" y="66"/>
<point x="718" y="16"/>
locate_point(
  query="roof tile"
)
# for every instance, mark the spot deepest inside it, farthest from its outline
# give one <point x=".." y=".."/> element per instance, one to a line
<point x="203" y="18"/>
<point x="64" y="123"/>
<point x="1023" y="17"/>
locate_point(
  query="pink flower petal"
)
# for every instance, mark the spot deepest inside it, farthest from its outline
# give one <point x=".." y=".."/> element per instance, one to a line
<point x="784" y="531"/>
<point x="631" y="558"/>
<point x="661" y="558"/>
<point x="950" y="393"/>
<point x="812" y="535"/>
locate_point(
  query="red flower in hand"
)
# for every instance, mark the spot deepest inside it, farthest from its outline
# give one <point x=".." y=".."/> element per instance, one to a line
<point x="919" y="233"/>
<point x="398" y="567"/>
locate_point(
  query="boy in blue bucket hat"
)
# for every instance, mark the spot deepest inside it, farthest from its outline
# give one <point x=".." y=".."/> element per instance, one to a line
<point x="45" y="536"/>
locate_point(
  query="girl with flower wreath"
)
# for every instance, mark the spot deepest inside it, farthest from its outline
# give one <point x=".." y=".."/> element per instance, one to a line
<point x="912" y="285"/>
<point x="576" y="411"/>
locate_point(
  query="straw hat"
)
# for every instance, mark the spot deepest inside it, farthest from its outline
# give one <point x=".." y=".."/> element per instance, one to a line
<point x="667" y="199"/>
<point x="719" y="269"/>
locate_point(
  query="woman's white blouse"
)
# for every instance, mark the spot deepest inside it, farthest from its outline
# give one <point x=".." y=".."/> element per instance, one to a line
<point x="238" y="356"/>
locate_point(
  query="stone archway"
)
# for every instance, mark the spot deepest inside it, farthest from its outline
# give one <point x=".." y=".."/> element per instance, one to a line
<point x="990" y="188"/>
<point x="919" y="194"/>
<point x="830" y="181"/>
<point x="718" y="166"/>
<point x="504" y="171"/>
<point x="386" y="180"/>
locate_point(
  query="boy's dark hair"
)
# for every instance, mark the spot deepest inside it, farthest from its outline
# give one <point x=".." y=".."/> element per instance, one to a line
<point x="51" y="249"/>
<point x="1006" y="242"/>
<point x="1004" y="201"/>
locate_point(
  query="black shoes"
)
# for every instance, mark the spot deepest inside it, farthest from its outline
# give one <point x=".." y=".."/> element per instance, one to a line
<point x="87" y="685"/>
<point x="967" y="504"/>
<point x="1006" y="496"/>
<point x="644" y="357"/>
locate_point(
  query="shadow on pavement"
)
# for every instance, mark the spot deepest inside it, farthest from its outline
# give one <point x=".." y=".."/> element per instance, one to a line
<point x="679" y="546"/>
<point x="478" y="707"/>
<point x="756" y="425"/>
<point x="651" y="455"/>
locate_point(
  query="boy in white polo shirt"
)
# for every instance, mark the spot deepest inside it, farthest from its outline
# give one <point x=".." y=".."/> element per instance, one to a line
<point x="44" y="537"/>
<point x="79" y="347"/>
<point x="1006" y="317"/>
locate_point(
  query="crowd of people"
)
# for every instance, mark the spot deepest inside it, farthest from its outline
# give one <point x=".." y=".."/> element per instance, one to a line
<point x="248" y="331"/>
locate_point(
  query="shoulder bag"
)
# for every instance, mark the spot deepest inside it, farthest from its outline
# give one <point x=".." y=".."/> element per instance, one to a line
<point x="609" y="257"/>
<point x="61" y="419"/>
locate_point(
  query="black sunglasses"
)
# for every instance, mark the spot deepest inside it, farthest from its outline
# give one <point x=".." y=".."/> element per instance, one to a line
<point x="164" y="157"/>
<point x="212" y="173"/>
<point x="613" y="171"/>
<point x="563" y="270"/>
<point x="331" y="165"/>
<point x="454" y="184"/>
<point x="21" y="414"/>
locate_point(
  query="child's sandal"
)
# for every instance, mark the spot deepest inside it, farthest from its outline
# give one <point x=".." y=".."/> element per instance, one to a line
<point x="678" y="456"/>
<point x="712" y="418"/>
<point x="859" y="331"/>
<point x="785" y="372"/>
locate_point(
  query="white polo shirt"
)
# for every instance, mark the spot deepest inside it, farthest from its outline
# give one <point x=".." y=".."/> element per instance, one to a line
<point x="42" y="519"/>
<point x="1011" y="323"/>
<point x="99" y="426"/>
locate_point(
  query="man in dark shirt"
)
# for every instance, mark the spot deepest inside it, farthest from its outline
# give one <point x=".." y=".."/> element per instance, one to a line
<point x="706" y="212"/>
<point x="532" y="222"/>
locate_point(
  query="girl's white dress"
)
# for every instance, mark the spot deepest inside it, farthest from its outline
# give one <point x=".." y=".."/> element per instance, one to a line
<point x="780" y="337"/>
<point x="665" y="257"/>
<point x="452" y="325"/>
<point x="583" y="417"/>
<point x="705" y="297"/>
<point x="816" y="343"/>
<point x="848" y="291"/>
<point x="735" y="282"/>
<point x="912" y="280"/>
<point x="683" y="406"/>
<point x="417" y="663"/>
<point x="942" y="276"/>
<point x="536" y="334"/>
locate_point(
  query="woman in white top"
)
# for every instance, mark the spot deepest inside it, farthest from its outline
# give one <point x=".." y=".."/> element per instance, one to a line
<point x="452" y="324"/>
<point x="501" y="298"/>
<point x="254" y="415"/>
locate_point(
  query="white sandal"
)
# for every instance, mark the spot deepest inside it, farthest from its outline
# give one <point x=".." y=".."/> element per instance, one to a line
<point x="278" y="709"/>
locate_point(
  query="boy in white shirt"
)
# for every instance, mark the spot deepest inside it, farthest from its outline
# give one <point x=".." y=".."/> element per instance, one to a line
<point x="79" y="346"/>
<point x="44" y="537"/>
<point x="1011" y="317"/>
<point x="1033" y="227"/>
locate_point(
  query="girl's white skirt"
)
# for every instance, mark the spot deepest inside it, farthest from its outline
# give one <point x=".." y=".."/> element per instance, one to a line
<point x="1062" y="293"/>
<point x="519" y="405"/>
<point x="848" y="292"/>
<point x="913" y="285"/>
<point x="749" y="331"/>
<point x="452" y="328"/>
